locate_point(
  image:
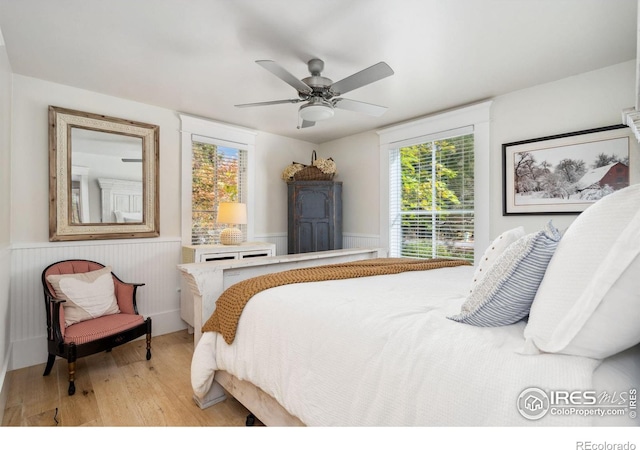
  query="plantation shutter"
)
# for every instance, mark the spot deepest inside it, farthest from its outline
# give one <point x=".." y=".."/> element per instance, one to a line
<point x="219" y="175"/>
<point x="431" y="196"/>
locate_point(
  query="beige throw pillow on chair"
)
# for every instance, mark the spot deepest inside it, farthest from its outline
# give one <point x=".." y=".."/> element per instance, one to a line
<point x="88" y="295"/>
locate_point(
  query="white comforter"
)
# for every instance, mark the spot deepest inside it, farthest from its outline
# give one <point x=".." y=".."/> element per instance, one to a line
<point x="379" y="351"/>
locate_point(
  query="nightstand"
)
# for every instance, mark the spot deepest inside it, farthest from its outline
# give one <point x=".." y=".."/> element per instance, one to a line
<point x="216" y="252"/>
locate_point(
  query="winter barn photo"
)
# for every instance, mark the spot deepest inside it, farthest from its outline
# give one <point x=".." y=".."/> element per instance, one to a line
<point x="563" y="174"/>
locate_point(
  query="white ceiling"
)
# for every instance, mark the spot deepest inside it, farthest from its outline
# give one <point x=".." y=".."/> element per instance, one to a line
<point x="197" y="56"/>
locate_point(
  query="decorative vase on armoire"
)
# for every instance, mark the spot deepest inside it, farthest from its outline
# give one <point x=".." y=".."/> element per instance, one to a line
<point x="314" y="216"/>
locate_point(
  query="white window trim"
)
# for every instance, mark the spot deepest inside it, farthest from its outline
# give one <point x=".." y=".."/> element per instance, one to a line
<point x="477" y="116"/>
<point x="232" y="136"/>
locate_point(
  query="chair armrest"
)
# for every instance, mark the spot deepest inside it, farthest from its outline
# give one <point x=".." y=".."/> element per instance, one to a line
<point x="126" y="295"/>
<point x="56" y="327"/>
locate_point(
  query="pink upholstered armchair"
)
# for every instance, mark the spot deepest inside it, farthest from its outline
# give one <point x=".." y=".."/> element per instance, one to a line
<point x="89" y="310"/>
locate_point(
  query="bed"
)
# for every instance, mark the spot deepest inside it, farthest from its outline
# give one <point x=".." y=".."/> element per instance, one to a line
<point x="543" y="331"/>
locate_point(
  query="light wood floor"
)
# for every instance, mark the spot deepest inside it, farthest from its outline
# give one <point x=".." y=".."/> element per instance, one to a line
<point x="118" y="388"/>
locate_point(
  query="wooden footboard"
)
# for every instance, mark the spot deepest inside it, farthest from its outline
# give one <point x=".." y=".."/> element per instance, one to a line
<point x="261" y="404"/>
<point x="207" y="280"/>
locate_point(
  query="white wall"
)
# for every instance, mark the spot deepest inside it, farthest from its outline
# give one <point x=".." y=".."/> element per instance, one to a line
<point x="358" y="164"/>
<point x="30" y="181"/>
<point x="584" y="101"/>
<point x="589" y="100"/>
<point x="152" y="261"/>
<point x="5" y="205"/>
<point x="273" y="154"/>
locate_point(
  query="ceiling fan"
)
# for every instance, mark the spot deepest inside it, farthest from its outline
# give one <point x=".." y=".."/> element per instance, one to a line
<point x="321" y="95"/>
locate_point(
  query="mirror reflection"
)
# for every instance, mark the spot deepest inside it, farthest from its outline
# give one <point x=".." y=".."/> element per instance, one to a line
<point x="106" y="177"/>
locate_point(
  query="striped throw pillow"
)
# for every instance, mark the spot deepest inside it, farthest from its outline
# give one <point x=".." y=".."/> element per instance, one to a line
<point x="506" y="292"/>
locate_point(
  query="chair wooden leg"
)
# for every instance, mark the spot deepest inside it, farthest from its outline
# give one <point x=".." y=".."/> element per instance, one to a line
<point x="72" y="369"/>
<point x="50" y="360"/>
<point x="148" y="321"/>
<point x="148" y="346"/>
<point x="72" y="378"/>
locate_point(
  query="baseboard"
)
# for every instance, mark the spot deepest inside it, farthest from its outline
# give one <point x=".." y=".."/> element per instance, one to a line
<point x="167" y="322"/>
<point x="28" y="352"/>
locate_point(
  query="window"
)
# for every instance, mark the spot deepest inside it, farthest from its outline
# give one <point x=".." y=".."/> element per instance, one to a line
<point x="432" y="211"/>
<point x="217" y="166"/>
<point x="435" y="200"/>
<point x="218" y="175"/>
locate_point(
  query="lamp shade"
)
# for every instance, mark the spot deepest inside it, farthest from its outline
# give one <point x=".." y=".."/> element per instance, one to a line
<point x="316" y="111"/>
<point x="232" y="213"/>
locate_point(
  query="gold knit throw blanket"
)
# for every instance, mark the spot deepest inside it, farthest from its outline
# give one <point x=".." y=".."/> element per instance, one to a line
<point x="231" y="302"/>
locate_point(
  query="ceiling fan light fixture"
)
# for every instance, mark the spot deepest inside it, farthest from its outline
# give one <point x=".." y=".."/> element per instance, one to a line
<point x="315" y="112"/>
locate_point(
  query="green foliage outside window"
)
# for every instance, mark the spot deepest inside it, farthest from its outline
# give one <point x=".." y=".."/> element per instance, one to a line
<point x="437" y="198"/>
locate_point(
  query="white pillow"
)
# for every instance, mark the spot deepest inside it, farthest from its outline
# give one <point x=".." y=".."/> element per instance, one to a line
<point x="588" y="303"/>
<point x="88" y="295"/>
<point x="127" y="217"/>
<point x="505" y="293"/>
<point x="132" y="217"/>
<point x="497" y="247"/>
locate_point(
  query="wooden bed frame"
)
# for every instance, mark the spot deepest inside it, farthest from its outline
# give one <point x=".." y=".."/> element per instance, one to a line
<point x="262" y="405"/>
<point x="207" y="280"/>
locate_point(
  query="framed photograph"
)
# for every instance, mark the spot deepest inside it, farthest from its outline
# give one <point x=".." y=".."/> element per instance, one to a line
<point x="565" y="173"/>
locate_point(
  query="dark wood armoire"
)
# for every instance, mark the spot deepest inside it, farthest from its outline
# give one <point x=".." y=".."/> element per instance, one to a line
<point x="315" y="216"/>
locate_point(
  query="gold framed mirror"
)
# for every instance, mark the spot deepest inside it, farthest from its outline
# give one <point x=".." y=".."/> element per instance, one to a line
<point x="103" y="177"/>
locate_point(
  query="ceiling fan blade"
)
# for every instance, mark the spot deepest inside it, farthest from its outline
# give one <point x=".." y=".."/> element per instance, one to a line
<point x="362" y="78"/>
<point x="274" y="102"/>
<point x="307" y="124"/>
<point x="361" y="107"/>
<point x="284" y="75"/>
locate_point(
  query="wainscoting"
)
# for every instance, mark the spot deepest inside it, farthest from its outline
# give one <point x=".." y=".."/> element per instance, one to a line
<point x="280" y="239"/>
<point x="354" y="240"/>
<point x="153" y="262"/>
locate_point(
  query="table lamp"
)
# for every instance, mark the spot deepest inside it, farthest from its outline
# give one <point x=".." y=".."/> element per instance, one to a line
<point x="231" y="214"/>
